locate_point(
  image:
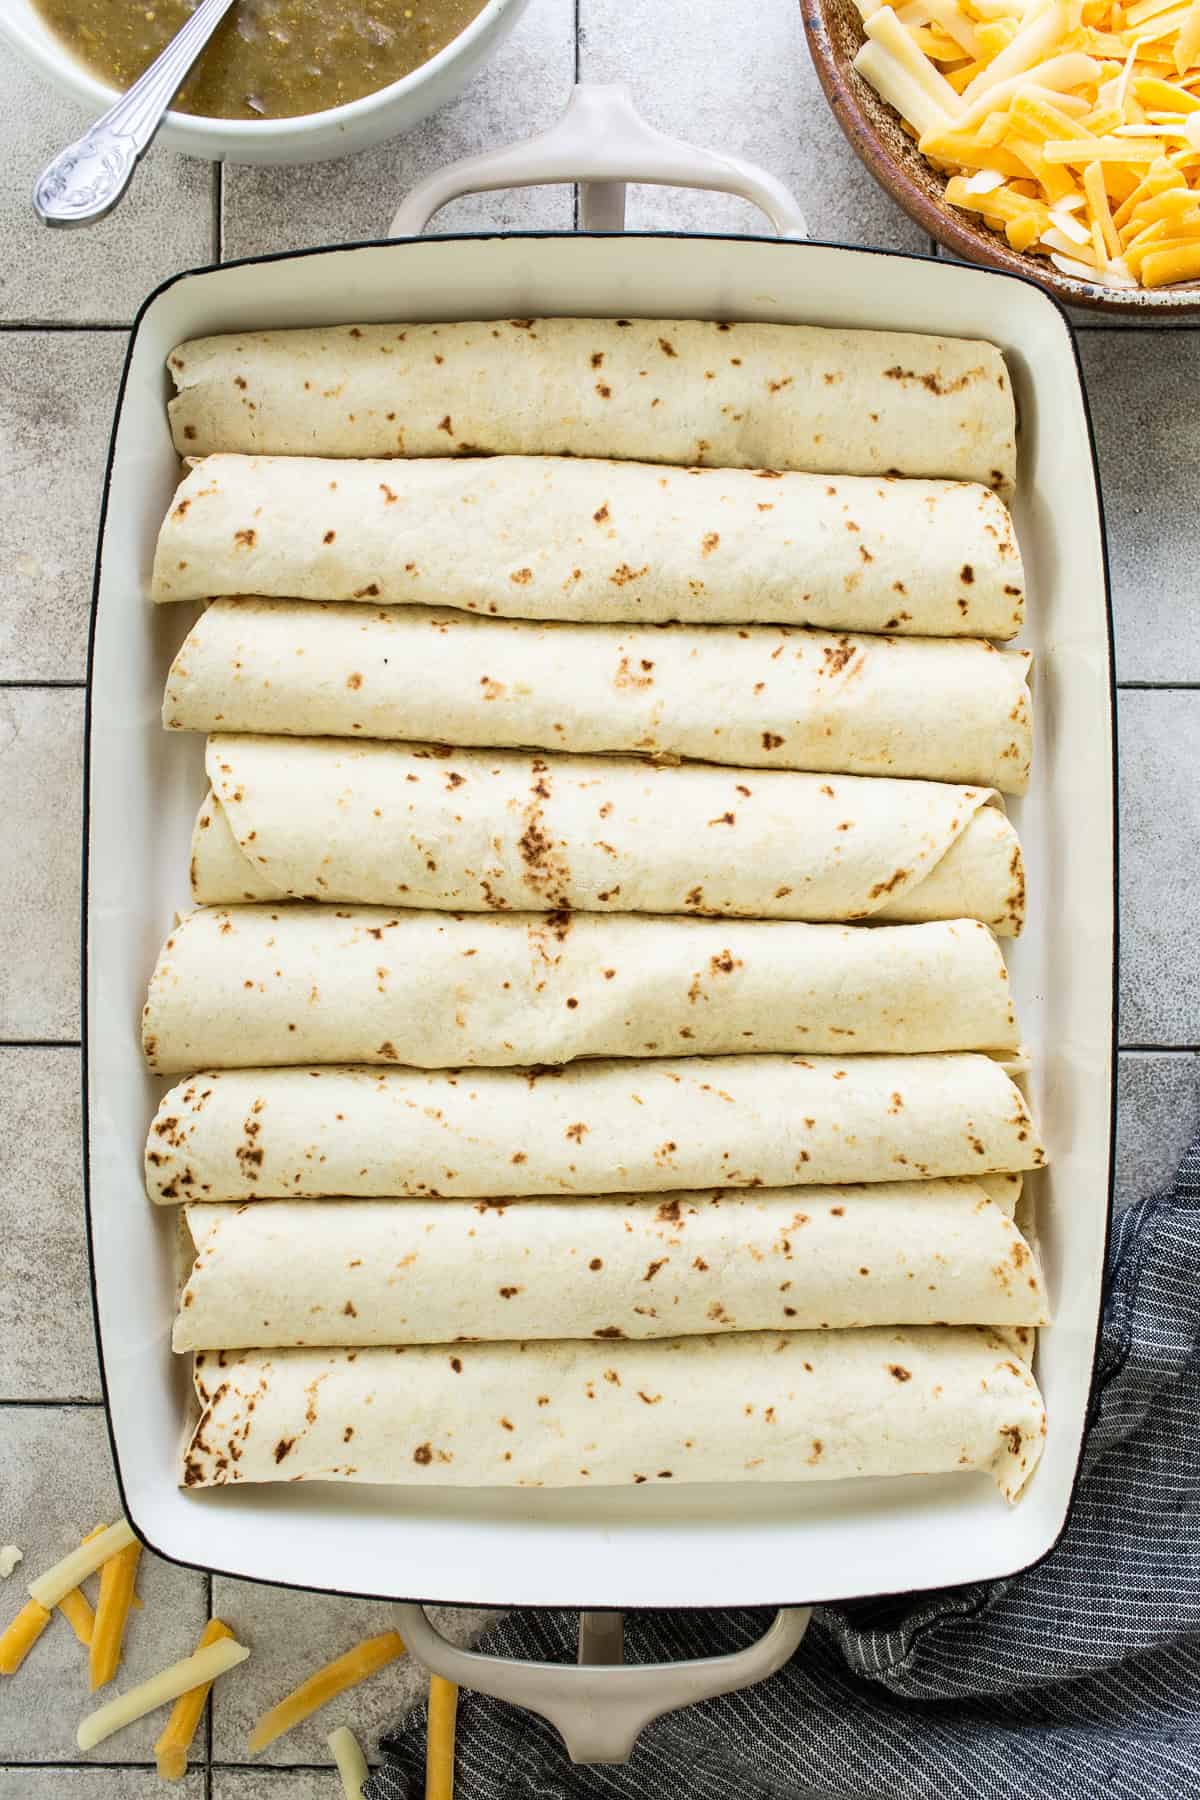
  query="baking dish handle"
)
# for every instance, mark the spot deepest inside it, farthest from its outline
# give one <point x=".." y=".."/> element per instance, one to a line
<point x="602" y="142"/>
<point x="600" y="1706"/>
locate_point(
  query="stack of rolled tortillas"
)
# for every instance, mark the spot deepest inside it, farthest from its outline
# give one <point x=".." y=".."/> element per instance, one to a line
<point x="593" y="1057"/>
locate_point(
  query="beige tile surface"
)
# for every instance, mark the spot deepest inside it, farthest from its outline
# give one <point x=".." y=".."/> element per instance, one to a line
<point x="100" y="275"/>
<point x="274" y="1784"/>
<point x="57" y="390"/>
<point x="1158" y="1115"/>
<point x="46" y="1346"/>
<point x="293" y="1635"/>
<point x="101" y="1784"/>
<point x="1159" y="747"/>
<point x="56" y="1482"/>
<point x="520" y="92"/>
<point x="685" y="64"/>
<point x="41" y="774"/>
<point x="1149" y="449"/>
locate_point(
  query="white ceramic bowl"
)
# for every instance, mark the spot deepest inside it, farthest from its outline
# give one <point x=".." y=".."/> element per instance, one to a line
<point x="313" y="137"/>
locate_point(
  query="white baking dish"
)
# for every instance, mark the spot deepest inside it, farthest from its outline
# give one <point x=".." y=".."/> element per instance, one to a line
<point x="716" y="1545"/>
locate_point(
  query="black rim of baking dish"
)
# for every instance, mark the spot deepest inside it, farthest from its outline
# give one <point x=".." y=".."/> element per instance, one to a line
<point x="608" y="1601"/>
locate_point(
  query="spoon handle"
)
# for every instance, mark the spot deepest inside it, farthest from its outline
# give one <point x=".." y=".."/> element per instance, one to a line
<point x="85" y="181"/>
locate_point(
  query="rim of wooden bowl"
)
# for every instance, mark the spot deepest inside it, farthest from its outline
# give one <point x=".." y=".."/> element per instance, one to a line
<point x="834" y="32"/>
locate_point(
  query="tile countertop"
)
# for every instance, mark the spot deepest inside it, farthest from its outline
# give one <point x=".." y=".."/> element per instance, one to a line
<point x="65" y="302"/>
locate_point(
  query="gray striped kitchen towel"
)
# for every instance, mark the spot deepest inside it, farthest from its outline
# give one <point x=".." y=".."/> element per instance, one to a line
<point x="1076" y="1680"/>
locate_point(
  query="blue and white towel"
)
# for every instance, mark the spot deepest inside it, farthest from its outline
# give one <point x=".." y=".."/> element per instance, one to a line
<point x="1079" y="1680"/>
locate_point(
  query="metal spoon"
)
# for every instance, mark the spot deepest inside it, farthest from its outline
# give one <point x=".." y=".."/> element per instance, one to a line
<point x="85" y="181"/>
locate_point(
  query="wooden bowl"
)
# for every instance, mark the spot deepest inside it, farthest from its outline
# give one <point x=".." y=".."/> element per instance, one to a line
<point x="835" y="35"/>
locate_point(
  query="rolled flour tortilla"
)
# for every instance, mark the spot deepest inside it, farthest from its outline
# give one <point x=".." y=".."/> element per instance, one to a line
<point x="246" y="986"/>
<point x="753" y="1406"/>
<point x="588" y="1128"/>
<point x="761" y="697"/>
<point x="357" y="1272"/>
<point x="539" y="538"/>
<point x="668" y="390"/>
<point x="478" y="830"/>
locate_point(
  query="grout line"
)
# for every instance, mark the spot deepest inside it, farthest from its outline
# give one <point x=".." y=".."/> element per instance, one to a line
<point x="26" y="325"/>
<point x="577" y="65"/>
<point x="1158" y="687"/>
<point x="73" y="1403"/>
<point x="54" y="681"/>
<point x="41" y="1044"/>
<point x="208" y="1711"/>
<point x="93" y="1766"/>
<point x="219" y="213"/>
<point x="1159" y="1049"/>
<point x="252" y="1768"/>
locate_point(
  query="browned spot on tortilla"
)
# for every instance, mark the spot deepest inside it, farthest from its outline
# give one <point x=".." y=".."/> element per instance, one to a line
<point x="189" y="431"/>
<point x="623" y="575"/>
<point x="898" y="1372"/>
<point x="838" y="656"/>
<point x="576" y="1131"/>
<point x="597" y="359"/>
<point x="423" y="1454"/>
<point x="709" y="542"/>
<point x="628" y="677"/>
<point x="770" y="741"/>
<point x="608" y="1331"/>
<point x="885" y="887"/>
<point x="653" y="1268"/>
<point x="283" y="1447"/>
<point x="604" y="391"/>
<point x="601" y="514"/>
<point x="388" y="495"/>
<point x="506" y="1293"/>
<point x="966" y="574"/>
<point x="726" y="818"/>
<point x="817" y="1451"/>
<point x="247" y="537"/>
<point x="934" y="384"/>
<point x="667" y="347"/>
<point x="456" y="1364"/>
<point x="446" y="426"/>
<point x="522" y="577"/>
<point x="354" y="681"/>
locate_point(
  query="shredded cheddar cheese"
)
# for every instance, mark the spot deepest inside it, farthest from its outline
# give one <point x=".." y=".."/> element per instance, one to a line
<point x="117" y="1577"/>
<point x="200" y="1669"/>
<point x="171" y="1750"/>
<point x="344" y="1672"/>
<point x="1070" y="126"/>
<point x="351" y="1763"/>
<point x="21" y="1636"/>
<point x="439" y="1748"/>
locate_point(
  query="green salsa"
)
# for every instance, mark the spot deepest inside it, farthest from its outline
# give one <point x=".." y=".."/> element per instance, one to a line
<point x="268" y="59"/>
